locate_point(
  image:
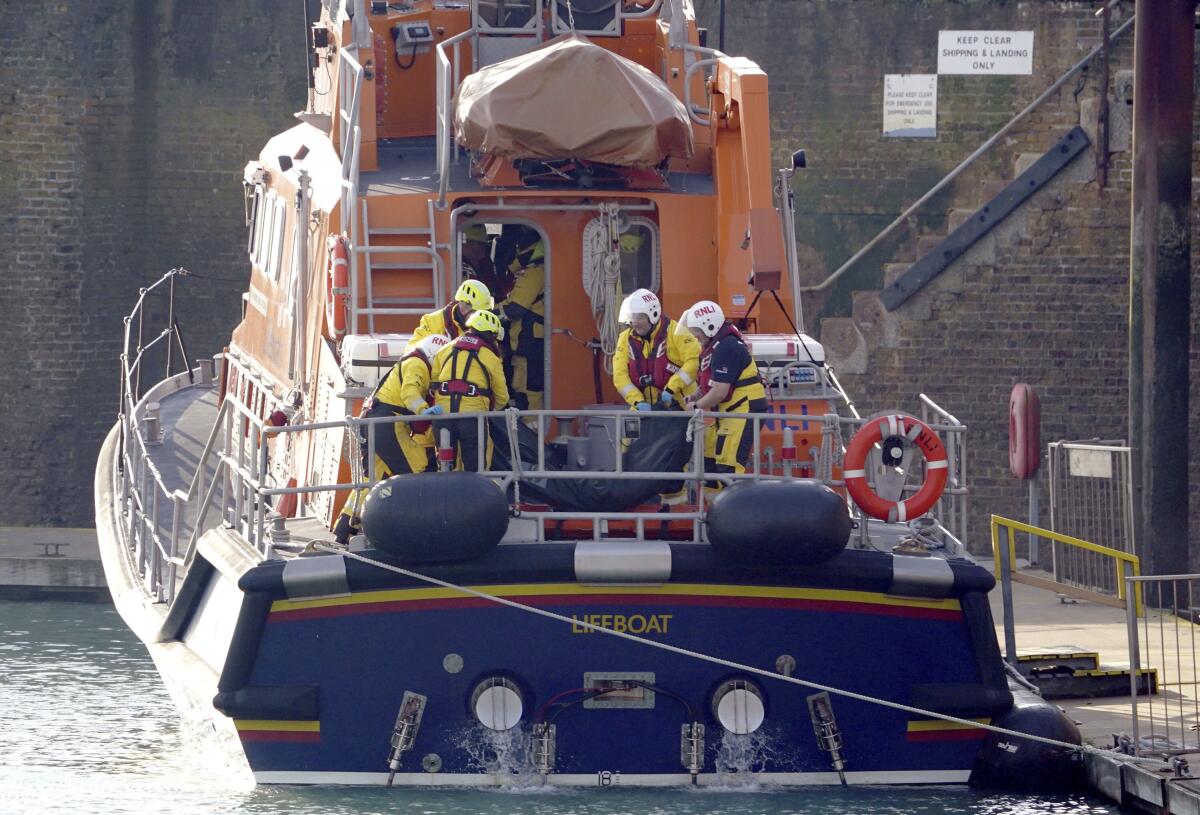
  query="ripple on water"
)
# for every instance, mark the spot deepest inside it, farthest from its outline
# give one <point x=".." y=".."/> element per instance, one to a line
<point x="86" y="727"/>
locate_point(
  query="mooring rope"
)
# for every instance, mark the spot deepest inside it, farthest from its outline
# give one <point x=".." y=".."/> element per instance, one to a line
<point x="804" y="683"/>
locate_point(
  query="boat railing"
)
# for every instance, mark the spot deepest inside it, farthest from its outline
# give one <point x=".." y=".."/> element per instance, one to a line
<point x="449" y="75"/>
<point x="952" y="508"/>
<point x="154" y="516"/>
<point x="247" y="493"/>
<point x="349" y="139"/>
<point x="1161" y="616"/>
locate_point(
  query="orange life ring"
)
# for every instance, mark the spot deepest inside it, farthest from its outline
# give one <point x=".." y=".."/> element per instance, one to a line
<point x="880" y="430"/>
<point x="338" y="286"/>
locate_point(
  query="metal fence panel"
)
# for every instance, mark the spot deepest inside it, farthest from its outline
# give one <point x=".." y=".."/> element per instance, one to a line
<point x="1091" y="497"/>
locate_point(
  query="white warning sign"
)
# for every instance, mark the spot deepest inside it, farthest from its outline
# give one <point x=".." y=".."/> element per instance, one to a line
<point x="910" y="106"/>
<point x="985" y="52"/>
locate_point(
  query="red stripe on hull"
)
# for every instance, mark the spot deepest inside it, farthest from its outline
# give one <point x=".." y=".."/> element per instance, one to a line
<point x="947" y="735"/>
<point x="588" y="601"/>
<point x="278" y="735"/>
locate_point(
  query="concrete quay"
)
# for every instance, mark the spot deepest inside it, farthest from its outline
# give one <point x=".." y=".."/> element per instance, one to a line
<point x="49" y="563"/>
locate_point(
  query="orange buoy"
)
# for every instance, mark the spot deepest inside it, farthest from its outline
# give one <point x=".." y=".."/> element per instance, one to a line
<point x="881" y="429"/>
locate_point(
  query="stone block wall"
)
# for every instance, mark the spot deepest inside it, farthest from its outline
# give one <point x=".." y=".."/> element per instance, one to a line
<point x="123" y="130"/>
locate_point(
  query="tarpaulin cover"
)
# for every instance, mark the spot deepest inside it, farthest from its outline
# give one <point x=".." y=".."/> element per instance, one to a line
<point x="661" y="447"/>
<point x="572" y="99"/>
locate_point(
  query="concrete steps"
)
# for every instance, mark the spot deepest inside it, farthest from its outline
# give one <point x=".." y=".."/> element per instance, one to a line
<point x="849" y="340"/>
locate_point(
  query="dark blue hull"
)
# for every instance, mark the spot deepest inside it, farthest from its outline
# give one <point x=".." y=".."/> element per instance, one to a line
<point x="314" y="684"/>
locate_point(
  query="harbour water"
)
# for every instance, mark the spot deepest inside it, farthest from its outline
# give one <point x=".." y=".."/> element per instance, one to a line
<point x="86" y="727"/>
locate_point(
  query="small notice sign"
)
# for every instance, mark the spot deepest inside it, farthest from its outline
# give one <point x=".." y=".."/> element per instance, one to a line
<point x="985" y="52"/>
<point x="910" y="106"/>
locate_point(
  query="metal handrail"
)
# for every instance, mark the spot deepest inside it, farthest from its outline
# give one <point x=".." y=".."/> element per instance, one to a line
<point x="444" y="100"/>
<point x="1004" y="555"/>
<point x="967" y="162"/>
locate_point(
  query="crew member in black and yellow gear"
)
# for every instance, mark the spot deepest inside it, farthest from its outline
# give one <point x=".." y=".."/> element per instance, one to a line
<point x="728" y="382"/>
<point x="525" y="311"/>
<point x="468" y="377"/>
<point x="477" y="262"/>
<point x="654" y="366"/>
<point x="451" y="319"/>
<point x="403" y="447"/>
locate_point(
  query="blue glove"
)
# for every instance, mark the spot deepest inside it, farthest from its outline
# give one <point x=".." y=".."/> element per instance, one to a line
<point x="667" y="398"/>
<point x="432" y="410"/>
<point x="642" y="406"/>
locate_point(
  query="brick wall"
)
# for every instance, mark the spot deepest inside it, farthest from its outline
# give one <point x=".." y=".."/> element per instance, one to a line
<point x="123" y="130"/>
<point x="1044" y="300"/>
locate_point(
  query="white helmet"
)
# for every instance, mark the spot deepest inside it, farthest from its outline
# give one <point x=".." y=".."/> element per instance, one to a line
<point x="705" y="315"/>
<point x="429" y="346"/>
<point x="642" y="301"/>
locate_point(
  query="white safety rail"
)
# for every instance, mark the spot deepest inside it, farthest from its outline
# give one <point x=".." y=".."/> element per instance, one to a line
<point x="952" y="508"/>
<point x="154" y="517"/>
<point x="244" y="493"/>
<point x="1163" y="644"/>
<point x="450" y="74"/>
<point x="349" y="141"/>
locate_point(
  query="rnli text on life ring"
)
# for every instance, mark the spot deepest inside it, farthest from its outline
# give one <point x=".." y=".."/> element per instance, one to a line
<point x="338" y="286"/>
<point x="878" y="430"/>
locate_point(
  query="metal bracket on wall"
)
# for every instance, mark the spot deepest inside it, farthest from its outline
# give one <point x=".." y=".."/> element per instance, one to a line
<point x="961" y="239"/>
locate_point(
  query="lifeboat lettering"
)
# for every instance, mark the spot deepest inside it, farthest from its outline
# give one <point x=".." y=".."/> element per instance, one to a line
<point x="630" y="624"/>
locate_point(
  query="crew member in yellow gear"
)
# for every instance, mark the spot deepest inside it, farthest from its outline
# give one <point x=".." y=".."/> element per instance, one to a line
<point x="403" y="447"/>
<point x="525" y="310"/>
<point x="654" y="365"/>
<point x="468" y="377"/>
<point x="451" y="319"/>
<point x="728" y="382"/>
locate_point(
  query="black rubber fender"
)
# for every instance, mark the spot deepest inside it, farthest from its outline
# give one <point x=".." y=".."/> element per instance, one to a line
<point x="794" y="522"/>
<point x="435" y="517"/>
<point x="1013" y="763"/>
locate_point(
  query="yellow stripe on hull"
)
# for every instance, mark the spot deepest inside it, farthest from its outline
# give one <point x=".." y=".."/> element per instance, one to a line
<point x="277" y="725"/>
<point x="515" y="591"/>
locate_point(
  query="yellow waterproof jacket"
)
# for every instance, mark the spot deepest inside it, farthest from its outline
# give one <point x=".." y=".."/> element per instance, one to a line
<point x="679" y="368"/>
<point x="443" y="321"/>
<point x="407" y="384"/>
<point x="529" y="293"/>
<point x="469" y="376"/>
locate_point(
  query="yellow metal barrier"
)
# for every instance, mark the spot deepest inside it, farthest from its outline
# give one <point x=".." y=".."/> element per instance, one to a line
<point x="1121" y="561"/>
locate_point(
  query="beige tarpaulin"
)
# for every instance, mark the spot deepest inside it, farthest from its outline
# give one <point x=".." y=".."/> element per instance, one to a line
<point x="571" y="98"/>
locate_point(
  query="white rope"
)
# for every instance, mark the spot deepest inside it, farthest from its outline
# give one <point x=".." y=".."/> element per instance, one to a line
<point x="600" y="281"/>
<point x="1083" y="748"/>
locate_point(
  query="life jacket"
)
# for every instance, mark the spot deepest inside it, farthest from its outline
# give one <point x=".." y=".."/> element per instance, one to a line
<point x="453" y="327"/>
<point x="748" y="376"/>
<point x="459" y="385"/>
<point x="655" y="369"/>
<point x="374" y="407"/>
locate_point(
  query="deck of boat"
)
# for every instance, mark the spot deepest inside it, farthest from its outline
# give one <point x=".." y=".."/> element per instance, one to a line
<point x="408" y="166"/>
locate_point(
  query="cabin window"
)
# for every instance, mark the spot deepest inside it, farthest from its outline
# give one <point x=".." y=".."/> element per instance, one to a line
<point x="262" y="225"/>
<point x="275" y="251"/>
<point x="270" y="233"/>
<point x="637" y="250"/>
<point x="592" y="17"/>
<point x="254" y="205"/>
<point x="507" y="15"/>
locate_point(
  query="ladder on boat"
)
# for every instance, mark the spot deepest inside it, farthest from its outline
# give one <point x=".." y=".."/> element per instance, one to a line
<point x="401" y="272"/>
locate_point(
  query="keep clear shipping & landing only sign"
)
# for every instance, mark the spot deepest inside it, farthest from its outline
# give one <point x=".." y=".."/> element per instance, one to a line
<point x="985" y="52"/>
